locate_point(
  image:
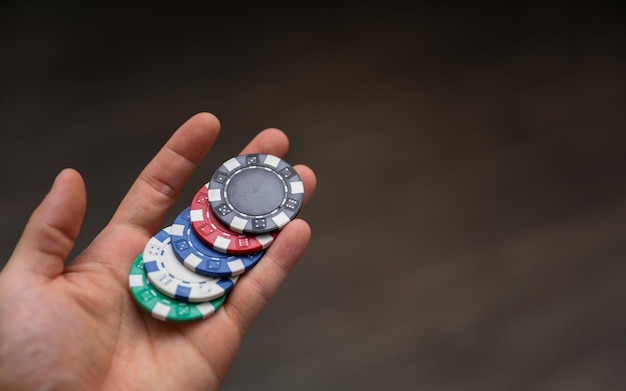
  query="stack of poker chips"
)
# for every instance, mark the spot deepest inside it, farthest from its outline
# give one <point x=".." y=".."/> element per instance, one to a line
<point x="187" y="268"/>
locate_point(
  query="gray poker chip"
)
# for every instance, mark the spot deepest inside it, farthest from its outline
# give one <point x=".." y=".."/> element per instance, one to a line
<point x="255" y="194"/>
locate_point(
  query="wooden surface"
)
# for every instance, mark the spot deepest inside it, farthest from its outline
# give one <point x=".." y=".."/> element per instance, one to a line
<point x="469" y="225"/>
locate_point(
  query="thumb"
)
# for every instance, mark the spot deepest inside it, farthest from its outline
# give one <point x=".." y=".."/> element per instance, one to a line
<point x="53" y="227"/>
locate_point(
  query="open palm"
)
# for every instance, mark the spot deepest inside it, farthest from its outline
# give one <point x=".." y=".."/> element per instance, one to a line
<point x="76" y="327"/>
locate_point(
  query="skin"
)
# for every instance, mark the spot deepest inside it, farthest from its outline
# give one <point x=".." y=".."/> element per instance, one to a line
<point x="77" y="327"/>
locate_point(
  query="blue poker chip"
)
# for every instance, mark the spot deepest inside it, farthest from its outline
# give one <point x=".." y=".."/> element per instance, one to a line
<point x="167" y="274"/>
<point x="202" y="259"/>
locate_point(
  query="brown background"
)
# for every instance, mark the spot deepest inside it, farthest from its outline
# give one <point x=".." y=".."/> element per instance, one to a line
<point x="469" y="226"/>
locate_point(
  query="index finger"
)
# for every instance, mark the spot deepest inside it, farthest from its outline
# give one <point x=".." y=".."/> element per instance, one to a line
<point x="154" y="192"/>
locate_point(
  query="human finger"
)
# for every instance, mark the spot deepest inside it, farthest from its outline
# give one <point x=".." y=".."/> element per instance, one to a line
<point x="158" y="185"/>
<point x="271" y="140"/>
<point x="250" y="296"/>
<point x="53" y="227"/>
<point x="258" y="286"/>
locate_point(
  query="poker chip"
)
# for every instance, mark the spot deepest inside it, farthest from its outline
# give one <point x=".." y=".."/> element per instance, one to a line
<point x="255" y="193"/>
<point x="167" y="274"/>
<point x="162" y="307"/>
<point x="202" y="259"/>
<point x="187" y="269"/>
<point x="212" y="232"/>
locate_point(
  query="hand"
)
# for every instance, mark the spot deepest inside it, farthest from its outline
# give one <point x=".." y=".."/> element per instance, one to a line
<point x="77" y="327"/>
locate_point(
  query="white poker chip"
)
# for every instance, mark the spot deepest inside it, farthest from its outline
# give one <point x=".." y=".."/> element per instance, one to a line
<point x="170" y="277"/>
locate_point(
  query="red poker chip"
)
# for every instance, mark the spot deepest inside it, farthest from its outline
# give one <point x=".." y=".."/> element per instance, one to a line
<point x="216" y="235"/>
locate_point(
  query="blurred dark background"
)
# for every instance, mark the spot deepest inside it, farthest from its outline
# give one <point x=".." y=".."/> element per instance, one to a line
<point x="469" y="225"/>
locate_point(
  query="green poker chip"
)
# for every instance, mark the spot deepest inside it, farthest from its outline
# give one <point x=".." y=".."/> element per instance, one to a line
<point x="163" y="307"/>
